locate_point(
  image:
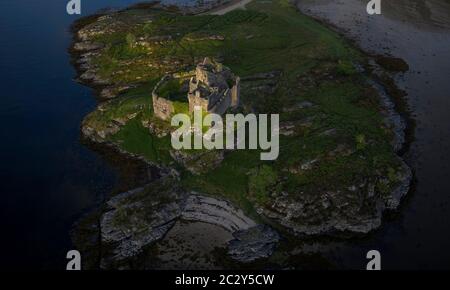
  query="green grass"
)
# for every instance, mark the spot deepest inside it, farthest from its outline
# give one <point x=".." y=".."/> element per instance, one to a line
<point x="266" y="36"/>
<point x="134" y="101"/>
<point x="134" y="138"/>
<point x="171" y="90"/>
<point x="230" y="180"/>
<point x="260" y="179"/>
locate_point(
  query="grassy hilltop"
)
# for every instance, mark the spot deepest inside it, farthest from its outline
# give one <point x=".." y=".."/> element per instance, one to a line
<point x="336" y="162"/>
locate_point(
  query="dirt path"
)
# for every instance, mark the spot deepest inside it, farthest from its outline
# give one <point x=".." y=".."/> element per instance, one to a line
<point x="230" y="6"/>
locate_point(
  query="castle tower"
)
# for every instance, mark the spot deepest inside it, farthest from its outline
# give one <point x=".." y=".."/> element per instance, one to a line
<point x="235" y="93"/>
<point x="207" y="61"/>
<point x="210" y="89"/>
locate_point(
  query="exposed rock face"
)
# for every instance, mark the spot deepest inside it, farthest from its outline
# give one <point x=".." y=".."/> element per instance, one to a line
<point x="216" y="211"/>
<point x="140" y="217"/>
<point x="87" y="45"/>
<point x="260" y="85"/>
<point x="154" y="129"/>
<point x="393" y="120"/>
<point x="198" y="163"/>
<point x="263" y="76"/>
<point x="99" y="136"/>
<point x="335" y="212"/>
<point x="112" y="92"/>
<point x="392" y="200"/>
<point x="252" y="244"/>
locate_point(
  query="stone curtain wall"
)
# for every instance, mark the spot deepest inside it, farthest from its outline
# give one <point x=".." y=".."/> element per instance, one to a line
<point x="235" y="93"/>
<point x="162" y="107"/>
<point x="220" y="97"/>
<point x="197" y="101"/>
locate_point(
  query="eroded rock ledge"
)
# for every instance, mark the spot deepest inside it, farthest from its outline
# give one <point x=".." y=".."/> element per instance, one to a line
<point x="142" y="216"/>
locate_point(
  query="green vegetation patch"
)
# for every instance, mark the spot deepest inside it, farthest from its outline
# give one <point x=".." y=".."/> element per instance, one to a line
<point x="337" y="138"/>
<point x="172" y="90"/>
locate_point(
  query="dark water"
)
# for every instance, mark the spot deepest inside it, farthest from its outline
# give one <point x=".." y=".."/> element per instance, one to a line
<point x="47" y="178"/>
<point x="419" y="32"/>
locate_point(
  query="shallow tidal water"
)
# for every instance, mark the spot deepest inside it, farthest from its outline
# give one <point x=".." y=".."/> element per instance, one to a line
<point x="48" y="179"/>
<point x="417" y="31"/>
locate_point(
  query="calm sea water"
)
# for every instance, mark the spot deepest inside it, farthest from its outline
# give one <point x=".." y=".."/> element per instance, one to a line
<point x="48" y="179"/>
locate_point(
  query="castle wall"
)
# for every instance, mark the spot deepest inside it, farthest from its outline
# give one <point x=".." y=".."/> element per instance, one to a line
<point x="193" y="84"/>
<point x="214" y="83"/>
<point x="235" y="93"/>
<point x="162" y="108"/>
<point x="205" y="76"/>
<point x="223" y="104"/>
<point x="196" y="100"/>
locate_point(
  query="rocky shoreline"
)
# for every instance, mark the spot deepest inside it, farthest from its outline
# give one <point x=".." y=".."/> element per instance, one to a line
<point x="147" y="219"/>
<point x="142" y="216"/>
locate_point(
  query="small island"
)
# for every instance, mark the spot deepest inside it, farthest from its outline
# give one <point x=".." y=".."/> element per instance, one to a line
<point x="338" y="168"/>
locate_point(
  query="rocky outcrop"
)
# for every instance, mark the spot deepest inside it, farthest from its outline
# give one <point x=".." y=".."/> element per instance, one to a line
<point x="393" y="120"/>
<point x="393" y="199"/>
<point x="264" y="83"/>
<point x="113" y="91"/>
<point x="217" y="212"/>
<point x="140" y="217"/>
<point x="263" y="76"/>
<point x="356" y="210"/>
<point x="99" y="135"/>
<point x="198" y="163"/>
<point x="253" y="244"/>
<point x="87" y="46"/>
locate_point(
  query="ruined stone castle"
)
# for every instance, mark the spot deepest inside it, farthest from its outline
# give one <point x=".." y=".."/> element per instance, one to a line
<point x="212" y="86"/>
